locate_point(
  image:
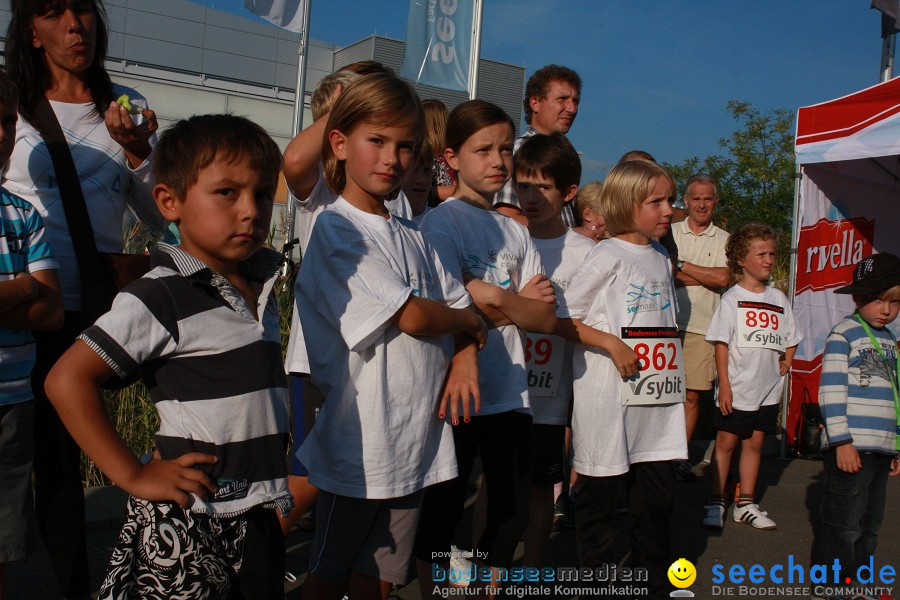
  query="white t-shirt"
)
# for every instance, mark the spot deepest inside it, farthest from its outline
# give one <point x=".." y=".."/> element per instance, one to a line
<point x="561" y="258"/>
<point x="107" y="181"/>
<point x="308" y="210"/>
<point x="753" y="372"/>
<point x="486" y="245"/>
<point x="378" y="435"/>
<point x="620" y="284"/>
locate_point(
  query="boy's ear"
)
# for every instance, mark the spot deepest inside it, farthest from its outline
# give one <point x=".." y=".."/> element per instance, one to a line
<point x="338" y="143"/>
<point x="165" y="199"/>
<point x="450" y="157"/>
<point x="570" y="193"/>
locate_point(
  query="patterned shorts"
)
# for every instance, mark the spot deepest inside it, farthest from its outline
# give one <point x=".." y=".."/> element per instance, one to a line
<point x="166" y="552"/>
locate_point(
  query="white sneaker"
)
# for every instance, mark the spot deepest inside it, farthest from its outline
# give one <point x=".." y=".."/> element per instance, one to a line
<point x="714" y="517"/>
<point x="752" y="515"/>
<point x="462" y="564"/>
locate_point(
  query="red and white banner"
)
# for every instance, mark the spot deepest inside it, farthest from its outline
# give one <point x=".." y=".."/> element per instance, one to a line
<point x="848" y="210"/>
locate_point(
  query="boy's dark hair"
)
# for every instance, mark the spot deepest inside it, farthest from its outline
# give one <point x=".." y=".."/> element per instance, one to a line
<point x="27" y="66"/>
<point x="471" y="116"/>
<point x="739" y="244"/>
<point x="539" y="84"/>
<point x="9" y="92"/>
<point x="550" y="156"/>
<point x="193" y="144"/>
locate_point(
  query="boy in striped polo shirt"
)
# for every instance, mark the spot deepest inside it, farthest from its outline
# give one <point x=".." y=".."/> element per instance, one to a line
<point x="202" y="328"/>
<point x="29" y="301"/>
<point x="859" y="400"/>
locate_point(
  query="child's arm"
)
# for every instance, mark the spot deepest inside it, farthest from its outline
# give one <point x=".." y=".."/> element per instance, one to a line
<point x="73" y="387"/>
<point x="532" y="309"/>
<point x="302" y="156"/>
<point x="420" y="316"/>
<point x="462" y="382"/>
<point x="784" y="365"/>
<point x="725" y="395"/>
<point x="833" y="392"/>
<point x="621" y="354"/>
<point x="32" y="302"/>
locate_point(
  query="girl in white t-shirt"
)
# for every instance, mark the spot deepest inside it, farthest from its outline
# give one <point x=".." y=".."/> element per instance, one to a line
<point x="498" y="259"/>
<point x="755" y="339"/>
<point x="627" y="433"/>
<point x="376" y="307"/>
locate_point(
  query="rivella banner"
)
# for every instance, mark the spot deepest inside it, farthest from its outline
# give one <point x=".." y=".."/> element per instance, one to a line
<point x="438" y="44"/>
<point x="849" y="211"/>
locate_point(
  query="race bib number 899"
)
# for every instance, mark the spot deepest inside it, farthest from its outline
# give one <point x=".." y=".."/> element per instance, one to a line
<point x="660" y="379"/>
<point x="760" y="325"/>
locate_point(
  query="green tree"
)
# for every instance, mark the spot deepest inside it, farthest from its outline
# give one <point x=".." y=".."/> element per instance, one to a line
<point x="756" y="172"/>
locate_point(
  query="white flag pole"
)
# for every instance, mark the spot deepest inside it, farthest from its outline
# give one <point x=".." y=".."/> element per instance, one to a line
<point x="299" y="101"/>
<point x="475" y="52"/>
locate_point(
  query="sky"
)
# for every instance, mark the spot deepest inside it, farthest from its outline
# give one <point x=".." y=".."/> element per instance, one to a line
<point x="657" y="74"/>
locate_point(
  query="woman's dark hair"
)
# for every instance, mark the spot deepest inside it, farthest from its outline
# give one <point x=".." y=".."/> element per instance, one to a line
<point x="27" y="66"/>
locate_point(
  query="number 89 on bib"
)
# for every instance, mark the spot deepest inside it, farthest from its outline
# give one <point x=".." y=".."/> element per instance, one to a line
<point x="660" y="378"/>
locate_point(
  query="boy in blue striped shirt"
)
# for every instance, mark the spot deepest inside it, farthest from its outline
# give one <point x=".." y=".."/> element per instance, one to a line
<point x="859" y="400"/>
<point x="29" y="301"/>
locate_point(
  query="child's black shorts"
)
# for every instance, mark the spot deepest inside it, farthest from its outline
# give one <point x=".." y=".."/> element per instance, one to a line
<point x="548" y="453"/>
<point x="744" y="422"/>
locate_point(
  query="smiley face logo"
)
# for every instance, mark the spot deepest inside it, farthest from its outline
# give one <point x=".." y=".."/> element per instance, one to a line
<point x="682" y="573"/>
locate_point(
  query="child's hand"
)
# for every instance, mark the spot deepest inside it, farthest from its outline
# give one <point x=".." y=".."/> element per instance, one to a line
<point x="539" y="288"/>
<point x="895" y="467"/>
<point x="623" y="357"/>
<point x="172" y="480"/>
<point x="481" y="334"/>
<point x="848" y="459"/>
<point x="461" y="387"/>
<point x="784" y="366"/>
<point x="725" y="400"/>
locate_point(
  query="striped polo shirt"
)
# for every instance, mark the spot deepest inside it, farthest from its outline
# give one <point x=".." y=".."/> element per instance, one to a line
<point x="213" y="371"/>
<point x="24" y="249"/>
<point x="855" y="389"/>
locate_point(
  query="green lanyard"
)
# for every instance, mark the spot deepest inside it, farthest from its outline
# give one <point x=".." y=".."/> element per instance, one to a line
<point x="892" y="373"/>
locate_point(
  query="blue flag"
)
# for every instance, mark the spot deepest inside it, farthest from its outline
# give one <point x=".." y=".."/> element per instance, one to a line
<point x="438" y="43"/>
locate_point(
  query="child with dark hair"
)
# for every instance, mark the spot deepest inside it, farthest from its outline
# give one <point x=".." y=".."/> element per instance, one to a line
<point x="859" y="400"/>
<point x="29" y="301"/>
<point x="202" y="328"/>
<point x="755" y="338"/>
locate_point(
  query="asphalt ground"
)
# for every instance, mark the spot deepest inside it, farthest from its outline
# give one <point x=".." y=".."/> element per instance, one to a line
<point x="790" y="490"/>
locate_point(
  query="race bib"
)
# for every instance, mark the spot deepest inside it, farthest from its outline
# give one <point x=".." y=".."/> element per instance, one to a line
<point x="660" y="379"/>
<point x="544" y="361"/>
<point x="760" y="325"/>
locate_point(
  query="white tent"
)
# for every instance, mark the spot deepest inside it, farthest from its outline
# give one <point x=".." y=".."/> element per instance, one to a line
<point x="846" y="207"/>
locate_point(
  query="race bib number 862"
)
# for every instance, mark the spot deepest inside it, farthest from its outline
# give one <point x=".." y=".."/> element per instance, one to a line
<point x="660" y="379"/>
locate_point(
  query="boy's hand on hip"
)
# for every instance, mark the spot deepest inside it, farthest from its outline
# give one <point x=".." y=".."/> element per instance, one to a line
<point x="848" y="459"/>
<point x="173" y="480"/>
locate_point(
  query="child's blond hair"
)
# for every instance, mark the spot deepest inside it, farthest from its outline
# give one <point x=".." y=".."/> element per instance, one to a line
<point x="323" y="97"/>
<point x="589" y="197"/>
<point x="625" y="188"/>
<point x="380" y="99"/>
